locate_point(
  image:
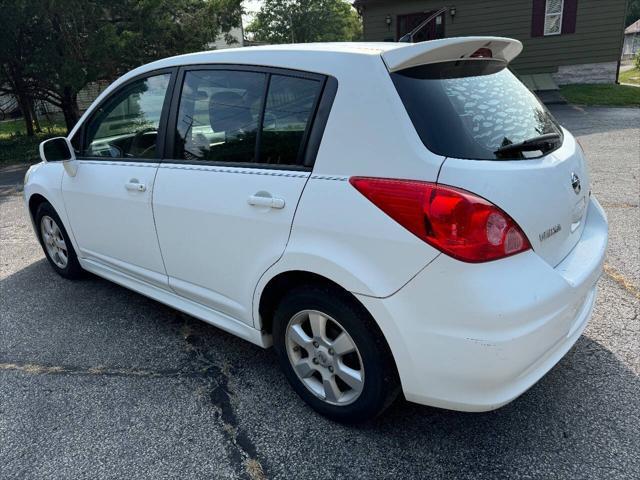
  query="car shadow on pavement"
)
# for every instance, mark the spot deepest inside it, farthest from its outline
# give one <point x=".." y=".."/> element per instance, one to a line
<point x="584" y="412"/>
<point x="590" y="120"/>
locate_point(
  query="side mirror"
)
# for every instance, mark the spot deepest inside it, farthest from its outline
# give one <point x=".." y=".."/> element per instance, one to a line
<point x="59" y="149"/>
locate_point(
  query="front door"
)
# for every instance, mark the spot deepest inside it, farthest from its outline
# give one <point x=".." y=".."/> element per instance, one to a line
<point x="431" y="31"/>
<point x="224" y="204"/>
<point x="108" y="201"/>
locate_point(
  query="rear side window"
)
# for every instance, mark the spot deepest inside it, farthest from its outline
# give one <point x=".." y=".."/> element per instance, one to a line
<point x="244" y="117"/>
<point x="470" y="109"/>
<point x="290" y="104"/>
<point x="219" y="114"/>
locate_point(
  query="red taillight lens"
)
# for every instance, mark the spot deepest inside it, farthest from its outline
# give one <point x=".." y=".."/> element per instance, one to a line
<point x="454" y="221"/>
<point x="482" y="53"/>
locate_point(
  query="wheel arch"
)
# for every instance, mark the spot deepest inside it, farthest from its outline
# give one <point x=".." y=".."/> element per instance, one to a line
<point x="279" y="285"/>
<point x="44" y="185"/>
<point x="35" y="200"/>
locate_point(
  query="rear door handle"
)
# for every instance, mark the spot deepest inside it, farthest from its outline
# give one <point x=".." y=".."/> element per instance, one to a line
<point x="134" y="185"/>
<point x="264" y="199"/>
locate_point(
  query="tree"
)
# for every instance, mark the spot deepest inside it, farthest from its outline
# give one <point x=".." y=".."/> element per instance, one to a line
<point x="62" y="45"/>
<point x="302" y="21"/>
<point x="16" y="37"/>
<point x="633" y="12"/>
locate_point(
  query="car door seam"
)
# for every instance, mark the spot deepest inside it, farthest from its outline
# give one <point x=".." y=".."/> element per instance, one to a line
<point x="286" y="245"/>
<point x="155" y="227"/>
<point x="68" y="217"/>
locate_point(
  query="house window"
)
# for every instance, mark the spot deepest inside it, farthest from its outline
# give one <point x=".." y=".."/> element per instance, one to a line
<point x="553" y="17"/>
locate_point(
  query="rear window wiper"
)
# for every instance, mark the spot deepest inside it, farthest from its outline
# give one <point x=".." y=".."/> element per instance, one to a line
<point x="544" y="143"/>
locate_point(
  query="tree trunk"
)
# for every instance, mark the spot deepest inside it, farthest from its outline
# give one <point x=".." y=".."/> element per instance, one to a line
<point x="34" y="116"/>
<point x="15" y="80"/>
<point x="70" y="108"/>
<point x="23" y="102"/>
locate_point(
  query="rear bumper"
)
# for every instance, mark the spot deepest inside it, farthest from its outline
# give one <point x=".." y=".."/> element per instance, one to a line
<point x="473" y="337"/>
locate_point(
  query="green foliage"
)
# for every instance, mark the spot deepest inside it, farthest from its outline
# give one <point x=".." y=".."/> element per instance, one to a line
<point x="633" y="12"/>
<point x="56" y="47"/>
<point x="604" y="95"/>
<point x="303" y="21"/>
<point x="630" y="76"/>
<point x="16" y="147"/>
<point x="636" y="60"/>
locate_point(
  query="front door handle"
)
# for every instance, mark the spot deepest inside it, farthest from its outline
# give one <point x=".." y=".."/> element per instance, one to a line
<point x="134" y="185"/>
<point x="264" y="199"/>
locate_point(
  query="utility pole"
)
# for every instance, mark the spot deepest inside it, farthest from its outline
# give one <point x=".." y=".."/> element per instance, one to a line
<point x="293" y="40"/>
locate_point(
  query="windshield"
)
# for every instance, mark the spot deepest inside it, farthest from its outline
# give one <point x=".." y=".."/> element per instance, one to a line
<point x="470" y="109"/>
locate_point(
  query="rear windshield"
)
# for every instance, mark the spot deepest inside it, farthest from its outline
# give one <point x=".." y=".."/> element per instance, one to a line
<point x="469" y="109"/>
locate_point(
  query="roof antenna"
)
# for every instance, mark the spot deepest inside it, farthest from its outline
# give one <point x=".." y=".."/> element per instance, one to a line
<point x="408" y="38"/>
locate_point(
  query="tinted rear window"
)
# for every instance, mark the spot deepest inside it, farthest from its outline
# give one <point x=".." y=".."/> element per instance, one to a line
<point x="469" y="109"/>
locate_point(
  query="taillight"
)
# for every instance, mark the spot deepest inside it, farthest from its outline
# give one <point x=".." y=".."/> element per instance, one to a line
<point x="454" y="221"/>
<point x="482" y="53"/>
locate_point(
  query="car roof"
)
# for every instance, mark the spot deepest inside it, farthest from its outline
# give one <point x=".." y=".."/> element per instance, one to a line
<point x="356" y="48"/>
<point x="324" y="57"/>
<point x="350" y="62"/>
<point x="278" y="55"/>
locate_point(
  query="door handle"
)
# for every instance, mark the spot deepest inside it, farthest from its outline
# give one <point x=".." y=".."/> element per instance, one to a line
<point x="134" y="185"/>
<point x="264" y="199"/>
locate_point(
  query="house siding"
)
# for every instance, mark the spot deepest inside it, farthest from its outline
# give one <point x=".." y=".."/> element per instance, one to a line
<point x="597" y="39"/>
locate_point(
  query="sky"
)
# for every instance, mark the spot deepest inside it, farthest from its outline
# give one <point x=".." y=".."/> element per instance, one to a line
<point x="251" y="7"/>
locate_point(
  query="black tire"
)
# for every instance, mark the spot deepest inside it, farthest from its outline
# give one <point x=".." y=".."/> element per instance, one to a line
<point x="72" y="270"/>
<point x="381" y="384"/>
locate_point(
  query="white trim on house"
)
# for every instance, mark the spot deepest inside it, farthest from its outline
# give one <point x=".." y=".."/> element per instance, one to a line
<point x="556" y="13"/>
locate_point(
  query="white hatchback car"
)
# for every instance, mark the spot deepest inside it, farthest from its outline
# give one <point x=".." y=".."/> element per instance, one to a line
<point x="389" y="216"/>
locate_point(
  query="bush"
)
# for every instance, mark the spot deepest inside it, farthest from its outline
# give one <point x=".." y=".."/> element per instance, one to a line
<point x="17" y="147"/>
<point x="636" y="59"/>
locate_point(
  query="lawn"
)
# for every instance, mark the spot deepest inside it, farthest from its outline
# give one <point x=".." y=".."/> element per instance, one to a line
<point x="17" y="147"/>
<point x="630" y="76"/>
<point x="604" y="95"/>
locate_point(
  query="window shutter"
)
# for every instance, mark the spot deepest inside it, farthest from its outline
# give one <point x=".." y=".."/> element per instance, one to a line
<point x="569" y="16"/>
<point x="537" y="18"/>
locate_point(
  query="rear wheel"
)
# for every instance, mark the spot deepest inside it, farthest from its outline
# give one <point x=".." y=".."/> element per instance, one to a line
<point x="56" y="244"/>
<point x="334" y="355"/>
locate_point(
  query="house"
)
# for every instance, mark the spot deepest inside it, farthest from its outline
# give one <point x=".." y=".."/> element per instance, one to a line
<point x="631" y="40"/>
<point x="232" y="39"/>
<point x="565" y="41"/>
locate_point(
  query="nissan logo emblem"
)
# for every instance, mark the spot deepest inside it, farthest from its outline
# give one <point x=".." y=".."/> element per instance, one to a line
<point x="575" y="183"/>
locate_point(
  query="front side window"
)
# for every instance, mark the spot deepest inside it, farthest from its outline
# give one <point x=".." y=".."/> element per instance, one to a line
<point x="223" y="117"/>
<point x="127" y="125"/>
<point x="553" y="17"/>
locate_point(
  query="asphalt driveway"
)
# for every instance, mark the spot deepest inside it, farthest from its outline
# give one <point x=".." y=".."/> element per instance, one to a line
<point x="100" y="382"/>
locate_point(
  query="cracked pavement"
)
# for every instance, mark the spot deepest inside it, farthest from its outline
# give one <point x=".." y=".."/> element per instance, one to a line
<point x="99" y="382"/>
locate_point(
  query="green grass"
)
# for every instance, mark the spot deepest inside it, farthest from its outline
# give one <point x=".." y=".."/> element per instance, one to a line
<point x="603" y="95"/>
<point x="630" y="76"/>
<point x="17" y="147"/>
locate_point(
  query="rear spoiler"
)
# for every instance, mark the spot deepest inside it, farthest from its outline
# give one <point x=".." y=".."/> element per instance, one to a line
<point x="450" y="49"/>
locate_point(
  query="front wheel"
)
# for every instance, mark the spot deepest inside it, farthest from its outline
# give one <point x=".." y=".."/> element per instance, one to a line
<point x="56" y="244"/>
<point x="334" y="355"/>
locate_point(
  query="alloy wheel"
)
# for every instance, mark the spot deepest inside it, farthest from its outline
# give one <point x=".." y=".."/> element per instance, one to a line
<point x="324" y="357"/>
<point x="54" y="242"/>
